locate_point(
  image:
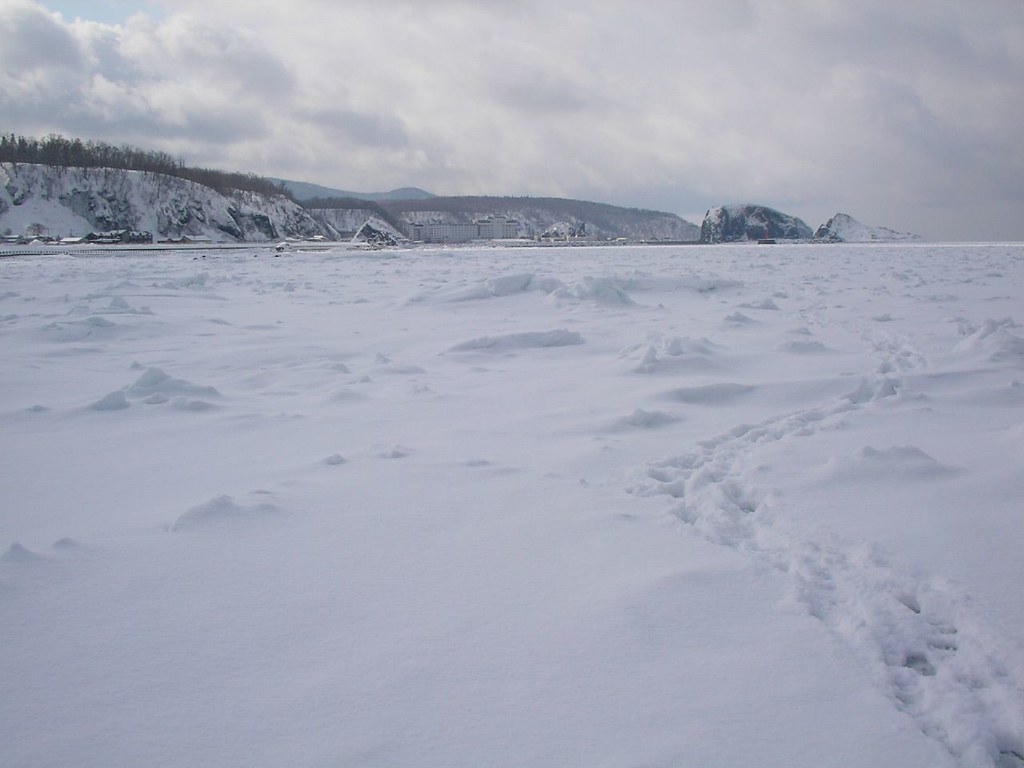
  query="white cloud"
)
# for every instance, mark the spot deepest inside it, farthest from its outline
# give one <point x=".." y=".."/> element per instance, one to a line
<point x="902" y="114"/>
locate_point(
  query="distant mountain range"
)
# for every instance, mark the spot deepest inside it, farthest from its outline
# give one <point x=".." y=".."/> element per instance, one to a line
<point x="304" y="191"/>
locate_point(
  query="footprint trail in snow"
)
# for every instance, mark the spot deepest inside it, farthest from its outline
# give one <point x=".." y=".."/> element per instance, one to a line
<point x="919" y="637"/>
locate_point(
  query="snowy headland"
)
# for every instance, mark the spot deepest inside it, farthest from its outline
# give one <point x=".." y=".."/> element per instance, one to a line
<point x="728" y="506"/>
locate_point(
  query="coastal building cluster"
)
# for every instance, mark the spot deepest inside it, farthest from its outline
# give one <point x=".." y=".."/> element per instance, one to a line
<point x="36" y="235"/>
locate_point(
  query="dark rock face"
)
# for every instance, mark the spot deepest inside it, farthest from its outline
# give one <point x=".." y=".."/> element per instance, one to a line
<point x="739" y="223"/>
<point x="250" y="221"/>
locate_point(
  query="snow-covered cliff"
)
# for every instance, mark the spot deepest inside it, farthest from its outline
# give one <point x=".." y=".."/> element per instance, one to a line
<point x="737" y="223"/>
<point x="843" y="228"/>
<point x="75" y="201"/>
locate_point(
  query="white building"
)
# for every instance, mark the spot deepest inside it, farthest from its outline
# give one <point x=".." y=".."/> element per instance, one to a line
<point x="497" y="227"/>
<point x="493" y="227"/>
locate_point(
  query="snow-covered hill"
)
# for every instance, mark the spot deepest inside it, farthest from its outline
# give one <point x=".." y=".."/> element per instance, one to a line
<point x="737" y="223"/>
<point x="537" y="215"/>
<point x="75" y="201"/>
<point x="843" y="228"/>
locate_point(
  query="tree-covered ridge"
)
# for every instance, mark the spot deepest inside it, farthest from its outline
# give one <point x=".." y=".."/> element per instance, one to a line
<point x="61" y="152"/>
<point x="488" y="203"/>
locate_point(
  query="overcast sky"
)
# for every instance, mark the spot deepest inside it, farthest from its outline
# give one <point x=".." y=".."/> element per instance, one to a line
<point x="907" y="114"/>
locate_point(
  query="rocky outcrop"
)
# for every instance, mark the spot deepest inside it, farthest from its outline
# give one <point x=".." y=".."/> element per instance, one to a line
<point x="344" y="223"/>
<point x="739" y="223"/>
<point x="843" y="228"/>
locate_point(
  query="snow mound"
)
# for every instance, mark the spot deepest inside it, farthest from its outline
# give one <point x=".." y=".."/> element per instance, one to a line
<point x="672" y="283"/>
<point x="676" y="354"/>
<point x="876" y="388"/>
<point x="93" y="328"/>
<point x="738" y="318"/>
<point x="195" y="282"/>
<point x="500" y="286"/>
<point x="525" y="340"/>
<point x="155" y="380"/>
<point x="902" y="463"/>
<point x="763" y="304"/>
<point x="120" y="306"/>
<point x="601" y="290"/>
<point x="183" y="403"/>
<point x="112" y="401"/>
<point x="720" y="393"/>
<point x="395" y="452"/>
<point x="803" y="347"/>
<point x="17" y="553"/>
<point x="641" y="419"/>
<point x="508" y="285"/>
<point x="222" y="509"/>
<point x="995" y="342"/>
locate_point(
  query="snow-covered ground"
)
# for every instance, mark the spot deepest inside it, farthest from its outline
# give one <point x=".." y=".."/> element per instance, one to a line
<point x="720" y="506"/>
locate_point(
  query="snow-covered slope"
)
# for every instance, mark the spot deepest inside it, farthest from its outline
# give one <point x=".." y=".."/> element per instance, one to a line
<point x="843" y="228"/>
<point x="76" y="201"/>
<point x="737" y="223"/>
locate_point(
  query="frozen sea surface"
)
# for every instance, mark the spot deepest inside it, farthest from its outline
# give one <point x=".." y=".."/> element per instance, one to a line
<point x="664" y="506"/>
